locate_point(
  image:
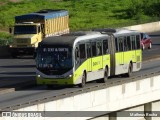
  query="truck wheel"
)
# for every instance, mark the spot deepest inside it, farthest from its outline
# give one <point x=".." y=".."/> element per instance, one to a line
<point x="14" y="55"/>
<point x="49" y="86"/>
<point x="83" y="82"/>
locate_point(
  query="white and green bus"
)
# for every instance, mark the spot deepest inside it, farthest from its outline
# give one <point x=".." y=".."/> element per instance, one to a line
<point x="75" y="59"/>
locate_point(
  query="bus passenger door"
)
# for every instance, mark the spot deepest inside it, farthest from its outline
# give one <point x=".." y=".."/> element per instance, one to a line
<point x="89" y="60"/>
<point x="121" y="57"/>
<point x="133" y="43"/>
<point x="99" y="55"/>
<point x="138" y="53"/>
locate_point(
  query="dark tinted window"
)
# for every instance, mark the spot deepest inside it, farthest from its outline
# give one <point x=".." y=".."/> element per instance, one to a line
<point x="120" y="44"/>
<point x="138" y="41"/>
<point x="82" y="51"/>
<point x="88" y="50"/>
<point x="99" y="48"/>
<point x="116" y="44"/>
<point x="128" y="43"/>
<point x="94" y="52"/>
<point x="125" y="44"/>
<point x="133" y="42"/>
<point x="105" y="46"/>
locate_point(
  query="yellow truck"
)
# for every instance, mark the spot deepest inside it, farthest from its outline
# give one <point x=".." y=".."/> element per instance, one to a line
<point x="30" y="29"/>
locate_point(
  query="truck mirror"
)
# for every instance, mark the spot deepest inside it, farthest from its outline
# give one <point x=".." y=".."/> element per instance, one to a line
<point x="10" y="30"/>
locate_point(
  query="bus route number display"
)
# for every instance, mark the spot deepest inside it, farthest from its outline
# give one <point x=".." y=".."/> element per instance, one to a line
<point x="55" y="49"/>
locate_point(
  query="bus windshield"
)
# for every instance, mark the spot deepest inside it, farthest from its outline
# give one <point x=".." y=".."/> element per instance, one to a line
<point x="25" y="29"/>
<point x="54" y="58"/>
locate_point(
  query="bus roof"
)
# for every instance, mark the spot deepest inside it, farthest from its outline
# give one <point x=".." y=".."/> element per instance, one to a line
<point x="65" y="40"/>
<point x="115" y="31"/>
<point x="69" y="39"/>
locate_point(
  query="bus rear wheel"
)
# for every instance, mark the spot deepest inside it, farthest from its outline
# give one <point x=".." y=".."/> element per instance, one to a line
<point x="83" y="82"/>
<point x="129" y="71"/>
<point x="105" y="78"/>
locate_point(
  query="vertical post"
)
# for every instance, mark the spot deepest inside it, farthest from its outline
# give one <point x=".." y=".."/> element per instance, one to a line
<point x="148" y="110"/>
<point x="113" y="116"/>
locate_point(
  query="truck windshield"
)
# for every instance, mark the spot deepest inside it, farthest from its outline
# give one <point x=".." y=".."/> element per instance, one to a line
<point x="25" y="29"/>
<point x="54" y="59"/>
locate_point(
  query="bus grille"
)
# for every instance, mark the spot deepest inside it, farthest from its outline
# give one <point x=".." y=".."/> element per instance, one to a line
<point x="54" y="72"/>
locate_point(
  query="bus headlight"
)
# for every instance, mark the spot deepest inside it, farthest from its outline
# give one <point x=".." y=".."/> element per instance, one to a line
<point x="70" y="75"/>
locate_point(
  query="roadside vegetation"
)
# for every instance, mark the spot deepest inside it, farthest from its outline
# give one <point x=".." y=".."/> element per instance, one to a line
<point x="84" y="14"/>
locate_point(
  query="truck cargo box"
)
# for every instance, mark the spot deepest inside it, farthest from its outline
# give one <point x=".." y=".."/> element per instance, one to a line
<point x="53" y="21"/>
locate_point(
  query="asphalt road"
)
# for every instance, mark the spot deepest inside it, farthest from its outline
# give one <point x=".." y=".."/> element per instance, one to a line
<point x="40" y="92"/>
<point x="18" y="70"/>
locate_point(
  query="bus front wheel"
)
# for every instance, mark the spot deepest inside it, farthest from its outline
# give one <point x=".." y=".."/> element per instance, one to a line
<point x="129" y="71"/>
<point x="83" y="82"/>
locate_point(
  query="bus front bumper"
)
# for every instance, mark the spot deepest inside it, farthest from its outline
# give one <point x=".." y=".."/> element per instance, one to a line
<point x="54" y="81"/>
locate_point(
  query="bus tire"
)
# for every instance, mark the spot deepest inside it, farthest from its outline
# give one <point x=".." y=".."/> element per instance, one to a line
<point x="129" y="70"/>
<point x="83" y="82"/>
<point x="105" y="78"/>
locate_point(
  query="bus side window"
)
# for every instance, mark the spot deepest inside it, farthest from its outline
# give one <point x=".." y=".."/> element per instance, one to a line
<point x="88" y="50"/>
<point x="138" y="41"/>
<point x="76" y="56"/>
<point x="120" y="41"/>
<point x="125" y="44"/>
<point x="116" y="44"/>
<point x="133" y="42"/>
<point x="128" y="43"/>
<point x="99" y="48"/>
<point x="82" y="51"/>
<point x="94" y="51"/>
<point x="105" y="47"/>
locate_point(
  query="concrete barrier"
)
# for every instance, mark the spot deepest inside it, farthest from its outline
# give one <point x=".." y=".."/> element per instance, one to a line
<point x="106" y="100"/>
<point x="148" y="27"/>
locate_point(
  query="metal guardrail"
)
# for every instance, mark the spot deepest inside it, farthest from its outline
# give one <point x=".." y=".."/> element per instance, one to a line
<point x="79" y="91"/>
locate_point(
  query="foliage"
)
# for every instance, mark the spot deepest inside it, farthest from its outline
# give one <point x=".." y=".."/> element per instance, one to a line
<point x="86" y="14"/>
<point x="5" y="39"/>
